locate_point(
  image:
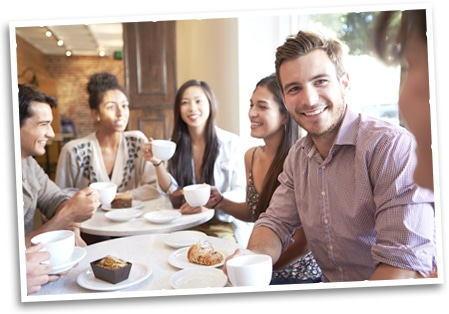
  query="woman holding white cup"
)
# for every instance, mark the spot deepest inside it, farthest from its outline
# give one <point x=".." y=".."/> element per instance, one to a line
<point x="204" y="153"/>
<point x="111" y="153"/>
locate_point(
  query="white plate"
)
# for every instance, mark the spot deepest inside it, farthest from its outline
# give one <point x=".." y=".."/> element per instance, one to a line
<point x="184" y="238"/>
<point x="179" y="259"/>
<point x="123" y="214"/>
<point x="139" y="272"/>
<point x="192" y="278"/>
<point x="162" y="216"/>
<point x="136" y="204"/>
<point x="77" y="255"/>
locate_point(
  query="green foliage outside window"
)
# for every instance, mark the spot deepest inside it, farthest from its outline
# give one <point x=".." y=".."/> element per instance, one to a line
<point x="351" y="28"/>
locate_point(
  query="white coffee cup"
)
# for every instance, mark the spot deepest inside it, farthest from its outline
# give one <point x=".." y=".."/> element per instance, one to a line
<point x="197" y="194"/>
<point x="107" y="191"/>
<point x="250" y="270"/>
<point x="163" y="149"/>
<point x="59" y="243"/>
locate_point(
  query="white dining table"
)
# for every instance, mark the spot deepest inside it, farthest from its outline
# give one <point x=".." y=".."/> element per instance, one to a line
<point x="148" y="251"/>
<point x="100" y="225"/>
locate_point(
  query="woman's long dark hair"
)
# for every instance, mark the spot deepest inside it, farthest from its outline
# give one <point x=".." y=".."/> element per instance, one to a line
<point x="180" y="166"/>
<point x="290" y="137"/>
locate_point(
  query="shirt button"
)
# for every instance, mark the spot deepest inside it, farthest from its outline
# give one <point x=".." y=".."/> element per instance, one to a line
<point x="323" y="193"/>
<point x="326" y="221"/>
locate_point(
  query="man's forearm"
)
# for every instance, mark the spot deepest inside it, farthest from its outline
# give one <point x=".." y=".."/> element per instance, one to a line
<point x="386" y="272"/>
<point x="264" y="240"/>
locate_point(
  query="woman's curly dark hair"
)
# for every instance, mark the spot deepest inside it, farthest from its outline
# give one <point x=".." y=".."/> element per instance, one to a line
<point x="99" y="84"/>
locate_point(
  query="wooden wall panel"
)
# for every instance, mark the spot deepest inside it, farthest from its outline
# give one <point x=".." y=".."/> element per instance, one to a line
<point x="150" y="74"/>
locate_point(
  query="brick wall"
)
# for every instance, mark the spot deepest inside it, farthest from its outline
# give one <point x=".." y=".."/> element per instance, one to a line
<point x="66" y="79"/>
<point x="72" y="75"/>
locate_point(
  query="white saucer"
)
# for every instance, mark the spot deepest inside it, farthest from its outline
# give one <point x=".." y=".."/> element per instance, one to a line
<point x="135" y="204"/>
<point x="124" y="214"/>
<point x="184" y="238"/>
<point x="139" y="272"/>
<point x="162" y="216"/>
<point x="179" y="259"/>
<point x="192" y="278"/>
<point x="77" y="255"/>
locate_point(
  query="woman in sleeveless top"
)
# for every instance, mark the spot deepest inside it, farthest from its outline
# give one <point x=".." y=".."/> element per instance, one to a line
<point x="271" y="122"/>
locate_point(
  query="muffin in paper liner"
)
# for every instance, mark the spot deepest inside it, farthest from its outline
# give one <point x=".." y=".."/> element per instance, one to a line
<point x="111" y="274"/>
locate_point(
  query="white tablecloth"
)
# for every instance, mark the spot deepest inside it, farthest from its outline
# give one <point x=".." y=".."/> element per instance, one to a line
<point x="150" y="250"/>
<point x="100" y="225"/>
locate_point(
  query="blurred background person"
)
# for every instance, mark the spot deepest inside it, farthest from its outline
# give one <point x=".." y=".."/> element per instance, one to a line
<point x="405" y="43"/>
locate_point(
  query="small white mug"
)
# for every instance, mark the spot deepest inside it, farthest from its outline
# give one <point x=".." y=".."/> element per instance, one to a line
<point x="197" y="194"/>
<point x="163" y="149"/>
<point x="250" y="270"/>
<point x="59" y="243"/>
<point x="107" y="190"/>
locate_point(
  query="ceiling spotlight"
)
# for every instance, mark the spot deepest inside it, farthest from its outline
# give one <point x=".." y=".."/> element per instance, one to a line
<point x="68" y="53"/>
<point x="48" y="33"/>
<point x="102" y="53"/>
<point x="60" y="43"/>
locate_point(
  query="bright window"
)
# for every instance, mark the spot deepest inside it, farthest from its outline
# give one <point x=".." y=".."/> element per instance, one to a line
<point x="374" y="87"/>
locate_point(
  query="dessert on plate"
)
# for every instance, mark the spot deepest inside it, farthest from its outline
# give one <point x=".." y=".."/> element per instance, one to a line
<point x="111" y="269"/>
<point x="204" y="253"/>
<point x="122" y="200"/>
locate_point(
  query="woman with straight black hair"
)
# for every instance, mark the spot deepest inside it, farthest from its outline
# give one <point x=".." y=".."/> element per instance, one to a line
<point x="204" y="153"/>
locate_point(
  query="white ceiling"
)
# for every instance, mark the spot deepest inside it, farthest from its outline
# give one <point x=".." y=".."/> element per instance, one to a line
<point x="82" y="40"/>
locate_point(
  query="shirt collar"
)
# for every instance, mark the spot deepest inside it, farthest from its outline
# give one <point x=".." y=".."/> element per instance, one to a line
<point x="347" y="135"/>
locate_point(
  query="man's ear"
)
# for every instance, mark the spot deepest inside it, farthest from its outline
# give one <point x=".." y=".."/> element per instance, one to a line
<point x="344" y="82"/>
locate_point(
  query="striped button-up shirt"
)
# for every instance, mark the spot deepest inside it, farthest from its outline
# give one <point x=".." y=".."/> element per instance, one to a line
<point x="359" y="207"/>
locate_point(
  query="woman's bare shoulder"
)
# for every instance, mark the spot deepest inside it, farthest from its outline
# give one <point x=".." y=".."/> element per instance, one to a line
<point x="249" y="154"/>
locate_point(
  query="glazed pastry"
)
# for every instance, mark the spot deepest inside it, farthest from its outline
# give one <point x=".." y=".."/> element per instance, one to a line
<point x="204" y="253"/>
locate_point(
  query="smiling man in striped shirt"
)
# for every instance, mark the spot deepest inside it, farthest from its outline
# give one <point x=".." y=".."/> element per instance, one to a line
<point x="349" y="182"/>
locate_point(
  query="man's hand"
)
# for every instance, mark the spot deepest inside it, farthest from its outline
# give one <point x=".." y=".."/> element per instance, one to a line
<point x="37" y="272"/>
<point x="82" y="205"/>
<point x="237" y="252"/>
<point x="176" y="198"/>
